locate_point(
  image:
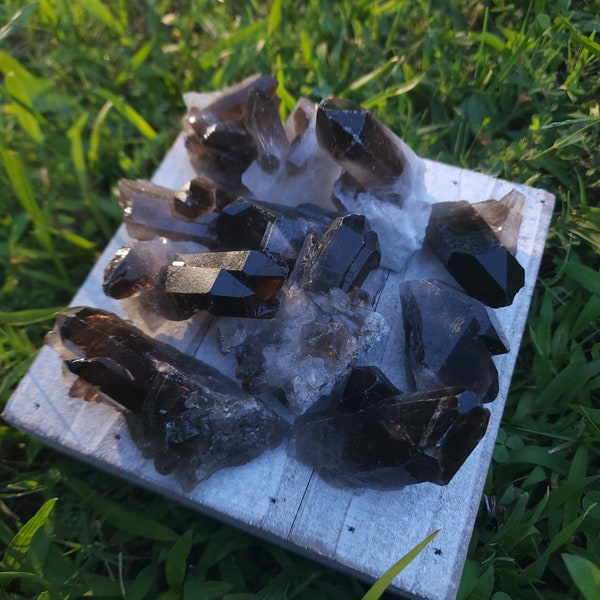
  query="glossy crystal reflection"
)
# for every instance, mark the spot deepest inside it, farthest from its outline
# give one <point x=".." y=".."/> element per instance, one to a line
<point x="229" y="284"/>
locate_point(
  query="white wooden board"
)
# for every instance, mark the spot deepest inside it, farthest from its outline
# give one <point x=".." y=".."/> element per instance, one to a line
<point x="362" y="532"/>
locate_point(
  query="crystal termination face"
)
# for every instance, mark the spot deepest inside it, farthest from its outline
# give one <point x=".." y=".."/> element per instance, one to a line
<point x="229" y="284"/>
<point x="443" y="343"/>
<point x="359" y="142"/>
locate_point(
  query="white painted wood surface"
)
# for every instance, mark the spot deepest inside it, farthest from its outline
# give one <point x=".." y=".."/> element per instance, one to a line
<point x="359" y="531"/>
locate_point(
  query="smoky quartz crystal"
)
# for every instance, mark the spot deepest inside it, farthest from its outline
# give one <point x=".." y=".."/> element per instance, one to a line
<point x="228" y="284"/>
<point x="186" y="415"/>
<point x="446" y="341"/>
<point x="473" y="254"/>
<point x="389" y="441"/>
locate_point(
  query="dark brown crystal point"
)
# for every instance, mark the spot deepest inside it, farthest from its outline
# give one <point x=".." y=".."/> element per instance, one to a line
<point x="361" y="144"/>
<point x="472" y="254"/>
<point x="186" y="415"/>
<point x="397" y="441"/>
<point x="216" y="136"/>
<point x="232" y="284"/>
<point x="139" y="270"/>
<point x="199" y="196"/>
<point x="139" y="266"/>
<point x="278" y="230"/>
<point x="242" y="224"/>
<point x="490" y="330"/>
<point x="148" y="212"/>
<point x="229" y="146"/>
<point x="344" y="256"/>
<point x="365" y="387"/>
<point x="443" y="343"/>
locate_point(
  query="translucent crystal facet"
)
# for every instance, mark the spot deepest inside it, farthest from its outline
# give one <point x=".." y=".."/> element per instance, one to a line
<point x="359" y="142"/>
<point x="343" y="257"/>
<point x="148" y="212"/>
<point x="216" y="137"/>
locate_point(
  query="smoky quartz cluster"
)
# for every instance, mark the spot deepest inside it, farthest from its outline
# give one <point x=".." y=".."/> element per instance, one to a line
<point x="287" y="234"/>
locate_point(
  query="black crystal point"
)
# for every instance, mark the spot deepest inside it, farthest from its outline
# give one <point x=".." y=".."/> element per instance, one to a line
<point x="343" y="257"/>
<point x="278" y="230"/>
<point x="365" y="387"/>
<point x="359" y="142"/>
<point x="185" y="414"/>
<point x="242" y="224"/>
<point x="472" y="254"/>
<point x="232" y="284"/>
<point x="397" y="441"/>
<point x="443" y="343"/>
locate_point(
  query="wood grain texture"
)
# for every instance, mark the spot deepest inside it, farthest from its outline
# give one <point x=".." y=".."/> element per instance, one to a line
<point x="359" y="531"/>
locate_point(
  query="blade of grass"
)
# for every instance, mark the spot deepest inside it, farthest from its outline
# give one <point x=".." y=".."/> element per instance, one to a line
<point x="176" y="563"/>
<point x="101" y="11"/>
<point x="24" y="193"/>
<point x="369" y="77"/>
<point x="78" y="157"/>
<point x="23" y="87"/>
<point x="386" y="579"/>
<point x="17" y="21"/>
<point x="392" y="91"/>
<point x="127" y="520"/>
<point x="274" y="20"/>
<point x="129" y="113"/>
<point x="15" y="553"/>
<point x="92" y="154"/>
<point x="29" y="316"/>
<point x="585" y="574"/>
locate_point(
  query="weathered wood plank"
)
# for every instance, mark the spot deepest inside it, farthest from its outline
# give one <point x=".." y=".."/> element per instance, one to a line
<point x="362" y="532"/>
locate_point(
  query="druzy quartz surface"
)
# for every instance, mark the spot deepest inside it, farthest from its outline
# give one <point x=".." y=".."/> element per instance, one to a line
<point x="285" y="235"/>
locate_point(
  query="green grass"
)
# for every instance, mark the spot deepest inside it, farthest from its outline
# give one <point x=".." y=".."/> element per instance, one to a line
<point x="91" y="92"/>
